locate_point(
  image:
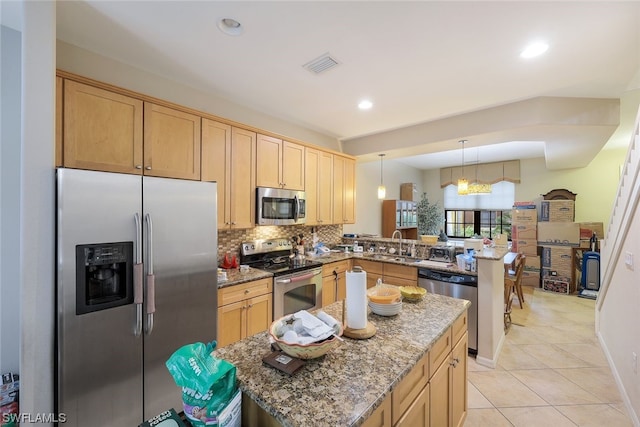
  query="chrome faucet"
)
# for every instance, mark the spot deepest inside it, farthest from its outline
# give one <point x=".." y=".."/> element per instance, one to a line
<point x="399" y="240"/>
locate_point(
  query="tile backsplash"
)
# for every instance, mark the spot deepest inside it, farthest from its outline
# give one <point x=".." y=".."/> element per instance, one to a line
<point x="230" y="240"/>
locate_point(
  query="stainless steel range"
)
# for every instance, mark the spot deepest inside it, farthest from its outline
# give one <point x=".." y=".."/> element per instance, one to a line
<point x="297" y="282"/>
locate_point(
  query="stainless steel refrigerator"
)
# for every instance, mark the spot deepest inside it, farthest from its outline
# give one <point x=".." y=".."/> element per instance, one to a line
<point x="136" y="280"/>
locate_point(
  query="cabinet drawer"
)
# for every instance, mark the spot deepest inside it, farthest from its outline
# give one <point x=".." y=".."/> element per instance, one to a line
<point x="244" y="291"/>
<point x="390" y="280"/>
<point x="459" y="327"/>
<point x="401" y="271"/>
<point x="440" y="351"/>
<point x="371" y="267"/>
<point x="409" y="388"/>
<point x="338" y="267"/>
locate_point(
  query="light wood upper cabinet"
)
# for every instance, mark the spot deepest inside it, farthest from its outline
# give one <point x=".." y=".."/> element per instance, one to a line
<point x="171" y="143"/>
<point x="102" y="130"/>
<point x="280" y="164"/>
<point x="344" y="209"/>
<point x="338" y="189"/>
<point x="311" y="182"/>
<point x="228" y="154"/>
<point x="325" y="188"/>
<point x="318" y="189"/>
<point x="349" y="207"/>
<point x="59" y="107"/>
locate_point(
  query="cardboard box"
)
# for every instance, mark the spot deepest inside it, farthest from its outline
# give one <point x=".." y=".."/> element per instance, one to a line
<point x="532" y="264"/>
<point x="557" y="211"/>
<point x="557" y="258"/>
<point x="527" y="231"/>
<point x="588" y="228"/>
<point x="524" y="216"/>
<point x="559" y="233"/>
<point x="530" y="278"/>
<point x="525" y="246"/>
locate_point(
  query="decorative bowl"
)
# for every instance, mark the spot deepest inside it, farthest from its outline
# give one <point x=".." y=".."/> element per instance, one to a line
<point x="412" y="293"/>
<point x="384" y="294"/>
<point x="385" y="309"/>
<point x="304" y="351"/>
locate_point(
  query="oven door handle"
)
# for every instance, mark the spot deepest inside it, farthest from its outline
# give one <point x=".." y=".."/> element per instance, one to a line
<point x="297" y="278"/>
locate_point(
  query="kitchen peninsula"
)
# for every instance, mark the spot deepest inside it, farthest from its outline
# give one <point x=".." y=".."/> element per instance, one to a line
<point x="417" y="360"/>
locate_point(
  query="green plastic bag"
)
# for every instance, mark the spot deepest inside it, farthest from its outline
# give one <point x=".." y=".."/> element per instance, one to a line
<point x="207" y="383"/>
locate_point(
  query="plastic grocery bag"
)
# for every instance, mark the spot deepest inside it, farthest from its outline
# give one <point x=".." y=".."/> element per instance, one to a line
<point x="208" y="383"/>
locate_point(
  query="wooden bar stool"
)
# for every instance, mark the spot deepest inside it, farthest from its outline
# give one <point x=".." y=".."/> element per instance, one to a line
<point x="513" y="279"/>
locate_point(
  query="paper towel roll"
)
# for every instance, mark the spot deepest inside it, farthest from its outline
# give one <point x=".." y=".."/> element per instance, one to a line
<point x="356" y="304"/>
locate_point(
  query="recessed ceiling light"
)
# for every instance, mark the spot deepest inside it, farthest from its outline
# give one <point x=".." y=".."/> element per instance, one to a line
<point x="365" y="104"/>
<point x="534" y="49"/>
<point x="230" y="26"/>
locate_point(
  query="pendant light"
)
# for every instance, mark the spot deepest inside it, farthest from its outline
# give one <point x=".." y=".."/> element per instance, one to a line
<point x="463" y="184"/>
<point x="476" y="188"/>
<point x="382" y="191"/>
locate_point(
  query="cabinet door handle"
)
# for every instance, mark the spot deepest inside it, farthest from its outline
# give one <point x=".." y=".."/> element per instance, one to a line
<point x="148" y="168"/>
<point x="246" y="291"/>
<point x="138" y="166"/>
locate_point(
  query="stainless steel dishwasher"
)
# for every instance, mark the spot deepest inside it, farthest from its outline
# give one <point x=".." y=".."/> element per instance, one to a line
<point x="455" y="285"/>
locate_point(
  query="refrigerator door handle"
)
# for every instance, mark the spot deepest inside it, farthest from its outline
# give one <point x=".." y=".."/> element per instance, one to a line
<point x="151" y="288"/>
<point x="138" y="273"/>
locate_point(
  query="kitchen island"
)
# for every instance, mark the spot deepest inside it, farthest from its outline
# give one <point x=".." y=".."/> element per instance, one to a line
<point x="388" y="375"/>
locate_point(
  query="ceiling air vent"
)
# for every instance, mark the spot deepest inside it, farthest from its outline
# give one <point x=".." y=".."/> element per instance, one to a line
<point x="321" y="64"/>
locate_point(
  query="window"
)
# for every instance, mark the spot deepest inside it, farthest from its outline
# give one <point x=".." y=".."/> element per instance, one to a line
<point x="486" y="223"/>
<point x="486" y="215"/>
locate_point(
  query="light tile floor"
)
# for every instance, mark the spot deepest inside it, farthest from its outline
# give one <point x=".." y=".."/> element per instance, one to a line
<point x="551" y="371"/>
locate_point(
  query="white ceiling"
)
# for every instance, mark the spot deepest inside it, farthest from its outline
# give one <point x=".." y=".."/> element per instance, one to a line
<point x="419" y="62"/>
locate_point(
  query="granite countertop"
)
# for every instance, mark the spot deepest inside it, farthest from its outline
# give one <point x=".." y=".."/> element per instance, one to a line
<point x="343" y="387"/>
<point x="496" y="253"/>
<point x="235" y="277"/>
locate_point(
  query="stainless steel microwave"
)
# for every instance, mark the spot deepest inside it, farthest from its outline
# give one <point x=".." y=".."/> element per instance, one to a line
<point x="277" y="206"/>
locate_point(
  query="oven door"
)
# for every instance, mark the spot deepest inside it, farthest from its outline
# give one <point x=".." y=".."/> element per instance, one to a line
<point x="298" y="291"/>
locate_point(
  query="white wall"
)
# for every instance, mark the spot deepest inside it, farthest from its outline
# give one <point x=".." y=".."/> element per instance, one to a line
<point x="619" y="318"/>
<point x="368" y="207"/>
<point x="88" y="64"/>
<point x="10" y="200"/>
<point x="37" y="192"/>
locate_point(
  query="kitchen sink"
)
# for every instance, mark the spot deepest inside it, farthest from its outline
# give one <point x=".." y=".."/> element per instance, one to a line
<point x="394" y="258"/>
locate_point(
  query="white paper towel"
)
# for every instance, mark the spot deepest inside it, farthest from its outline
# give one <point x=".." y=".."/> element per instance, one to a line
<point x="356" y="303"/>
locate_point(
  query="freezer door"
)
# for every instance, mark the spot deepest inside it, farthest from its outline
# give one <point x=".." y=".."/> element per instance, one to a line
<point x="183" y="255"/>
<point x="99" y="358"/>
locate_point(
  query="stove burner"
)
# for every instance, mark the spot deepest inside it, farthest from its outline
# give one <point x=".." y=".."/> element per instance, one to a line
<point x="274" y="256"/>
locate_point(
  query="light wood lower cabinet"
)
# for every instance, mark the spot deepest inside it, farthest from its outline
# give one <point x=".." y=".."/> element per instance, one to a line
<point x="392" y="274"/>
<point x="381" y="417"/>
<point x="334" y="281"/>
<point x="448" y="400"/>
<point x="400" y="275"/>
<point x="373" y="269"/>
<point x="434" y="393"/>
<point x="244" y="310"/>
<point x="419" y="412"/>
